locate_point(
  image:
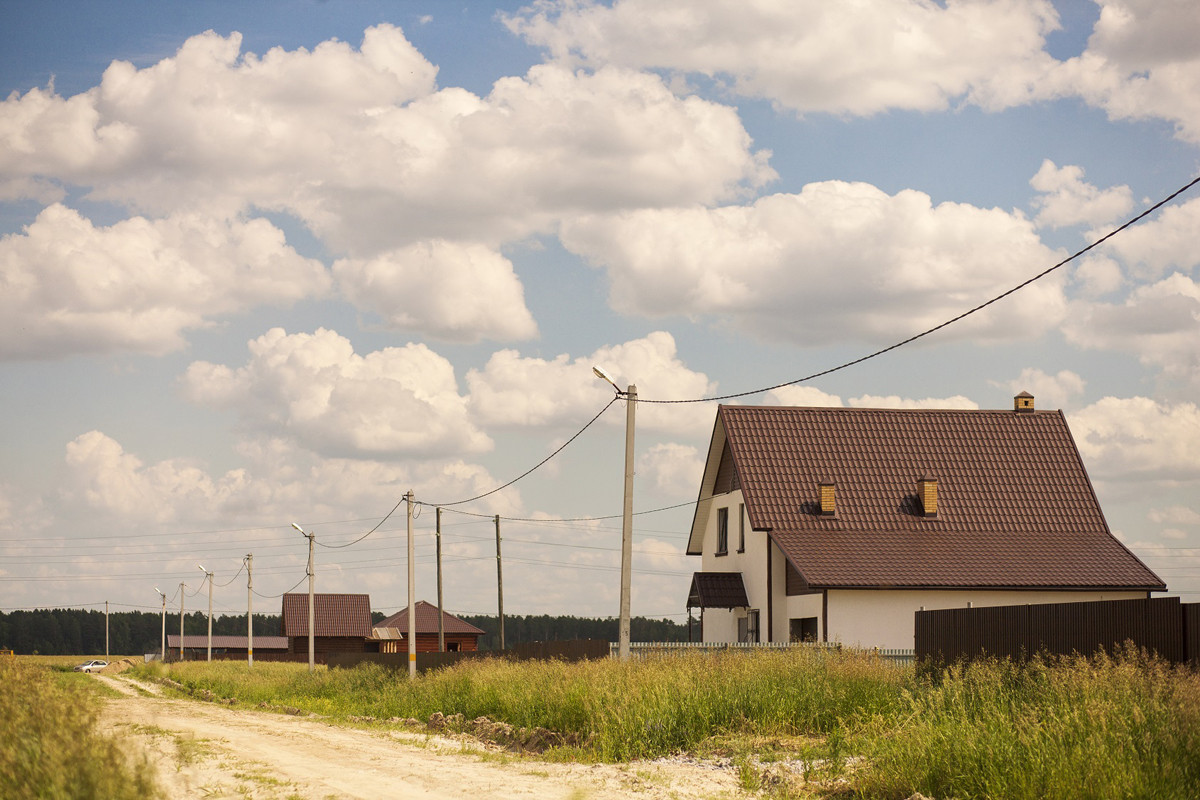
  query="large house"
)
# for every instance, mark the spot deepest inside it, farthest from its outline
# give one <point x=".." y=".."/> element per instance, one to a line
<point x="837" y="524"/>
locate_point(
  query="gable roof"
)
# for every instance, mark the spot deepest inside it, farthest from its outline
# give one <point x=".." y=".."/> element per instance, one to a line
<point x="427" y="621"/>
<point x="333" y="614"/>
<point x="1015" y="509"/>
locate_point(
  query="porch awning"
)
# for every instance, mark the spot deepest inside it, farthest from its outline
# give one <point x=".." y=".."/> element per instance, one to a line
<point x="717" y="590"/>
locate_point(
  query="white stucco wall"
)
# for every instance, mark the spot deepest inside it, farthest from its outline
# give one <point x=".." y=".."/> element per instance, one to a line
<point x="885" y="618"/>
<point x="721" y="626"/>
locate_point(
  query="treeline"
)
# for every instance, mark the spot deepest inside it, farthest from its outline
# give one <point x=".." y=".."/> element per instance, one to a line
<point x="74" y="631"/>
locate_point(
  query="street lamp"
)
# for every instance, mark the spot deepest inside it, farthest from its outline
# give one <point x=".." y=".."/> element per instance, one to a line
<point x="312" y="658"/>
<point x="208" y="577"/>
<point x="630" y="395"/>
<point x="163" y="651"/>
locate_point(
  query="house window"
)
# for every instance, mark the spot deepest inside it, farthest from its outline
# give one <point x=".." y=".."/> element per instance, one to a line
<point x="748" y="627"/>
<point x="803" y="629"/>
<point x="742" y="528"/>
<point x="722" y="531"/>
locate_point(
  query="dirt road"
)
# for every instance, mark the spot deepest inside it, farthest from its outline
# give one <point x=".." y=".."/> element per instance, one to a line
<point x="208" y="750"/>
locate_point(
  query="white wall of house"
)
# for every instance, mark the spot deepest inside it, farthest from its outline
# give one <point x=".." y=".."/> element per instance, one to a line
<point x="719" y="625"/>
<point x="885" y="618"/>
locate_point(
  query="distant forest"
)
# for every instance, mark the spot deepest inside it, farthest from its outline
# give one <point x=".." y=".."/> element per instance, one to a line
<point x="71" y="631"/>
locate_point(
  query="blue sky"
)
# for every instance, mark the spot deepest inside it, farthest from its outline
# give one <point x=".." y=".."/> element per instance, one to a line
<point x="286" y="261"/>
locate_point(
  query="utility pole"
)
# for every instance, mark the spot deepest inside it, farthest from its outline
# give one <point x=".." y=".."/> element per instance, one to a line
<point x="500" y="582"/>
<point x="412" y="594"/>
<point x="163" y="651"/>
<point x="208" y="576"/>
<point x="441" y="623"/>
<point x="312" y="615"/>
<point x="106" y="630"/>
<point x="181" y="593"/>
<point x="250" y="609"/>
<point x="627" y="525"/>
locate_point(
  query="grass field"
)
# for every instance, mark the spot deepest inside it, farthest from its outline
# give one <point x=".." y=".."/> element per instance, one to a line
<point x="50" y="747"/>
<point x="1085" y="728"/>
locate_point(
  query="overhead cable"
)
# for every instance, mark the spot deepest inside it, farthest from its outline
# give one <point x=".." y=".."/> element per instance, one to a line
<point x="945" y="324"/>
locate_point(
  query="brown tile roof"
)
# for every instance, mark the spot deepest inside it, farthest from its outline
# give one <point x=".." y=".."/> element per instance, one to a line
<point x="717" y="590"/>
<point x="334" y="614"/>
<point x="427" y="621"/>
<point x="200" y="641"/>
<point x="1015" y="506"/>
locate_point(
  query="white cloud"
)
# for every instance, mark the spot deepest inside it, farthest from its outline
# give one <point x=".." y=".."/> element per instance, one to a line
<point x="276" y="482"/>
<point x="362" y="148"/>
<point x="1142" y="62"/>
<point x="517" y="392"/>
<point x="1138" y="438"/>
<point x="1173" y="533"/>
<point x="906" y="54"/>
<point x="894" y="401"/>
<point x="1177" y="515"/>
<point x="1049" y="391"/>
<point x="71" y="287"/>
<point x="450" y="290"/>
<point x="1161" y="244"/>
<point x="802" y="396"/>
<point x="838" y="261"/>
<point x="317" y="390"/>
<point x="1097" y="276"/>
<point x="1159" y="322"/>
<point x="1066" y="199"/>
<point x="673" y="469"/>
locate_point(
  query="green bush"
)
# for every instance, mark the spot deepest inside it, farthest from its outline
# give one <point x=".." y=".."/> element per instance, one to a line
<point x="50" y="747"/>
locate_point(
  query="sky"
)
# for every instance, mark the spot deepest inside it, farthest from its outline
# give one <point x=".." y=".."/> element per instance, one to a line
<point x="264" y="263"/>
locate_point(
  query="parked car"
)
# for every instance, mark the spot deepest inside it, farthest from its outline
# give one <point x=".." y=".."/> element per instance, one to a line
<point x="92" y="666"/>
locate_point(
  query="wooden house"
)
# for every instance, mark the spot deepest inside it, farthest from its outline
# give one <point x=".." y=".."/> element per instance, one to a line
<point x="342" y="622"/>
<point x="459" y="635"/>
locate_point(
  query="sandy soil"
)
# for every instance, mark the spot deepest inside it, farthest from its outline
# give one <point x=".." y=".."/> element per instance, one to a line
<point x="208" y="750"/>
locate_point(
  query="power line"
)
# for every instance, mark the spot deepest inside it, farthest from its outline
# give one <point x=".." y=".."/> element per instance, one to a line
<point x="535" y="466"/>
<point x="948" y="322"/>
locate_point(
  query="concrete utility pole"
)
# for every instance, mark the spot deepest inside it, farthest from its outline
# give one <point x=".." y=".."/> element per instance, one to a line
<point x="627" y="524"/>
<point x="412" y="594"/>
<point x="250" y="609"/>
<point x="181" y="593"/>
<point x="441" y="623"/>
<point x="312" y="615"/>
<point x="163" y="651"/>
<point x="627" y="516"/>
<point x="208" y="576"/>
<point x="106" y="630"/>
<point x="500" y="582"/>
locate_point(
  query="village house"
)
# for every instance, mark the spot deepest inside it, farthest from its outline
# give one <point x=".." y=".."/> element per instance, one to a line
<point x="225" y="646"/>
<point x="838" y="524"/>
<point x="342" y="623"/>
<point x="459" y="635"/>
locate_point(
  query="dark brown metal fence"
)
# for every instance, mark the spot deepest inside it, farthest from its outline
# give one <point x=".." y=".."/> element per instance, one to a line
<point x="1161" y="625"/>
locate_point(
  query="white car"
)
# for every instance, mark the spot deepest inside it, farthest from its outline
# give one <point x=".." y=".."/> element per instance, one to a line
<point x="92" y="666"/>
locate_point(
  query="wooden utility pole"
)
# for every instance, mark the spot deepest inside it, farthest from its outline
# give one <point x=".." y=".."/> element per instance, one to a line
<point x="441" y="623"/>
<point x="500" y="582"/>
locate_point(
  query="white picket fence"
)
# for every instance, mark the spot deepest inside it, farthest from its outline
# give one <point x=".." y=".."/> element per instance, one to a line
<point x="659" y="649"/>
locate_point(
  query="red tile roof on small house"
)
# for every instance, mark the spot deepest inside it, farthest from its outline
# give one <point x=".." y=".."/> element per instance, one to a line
<point x="427" y="621"/>
<point x="1014" y="507"/>
<point x="346" y="615"/>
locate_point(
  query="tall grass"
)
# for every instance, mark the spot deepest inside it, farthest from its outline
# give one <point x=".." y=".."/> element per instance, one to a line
<point x="621" y="710"/>
<point x="1126" y="727"/>
<point x="50" y="747"/>
<point x="1107" y="728"/>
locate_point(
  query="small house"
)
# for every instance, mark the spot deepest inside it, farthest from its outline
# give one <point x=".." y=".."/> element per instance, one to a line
<point x="342" y="622"/>
<point x="459" y="635"/>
